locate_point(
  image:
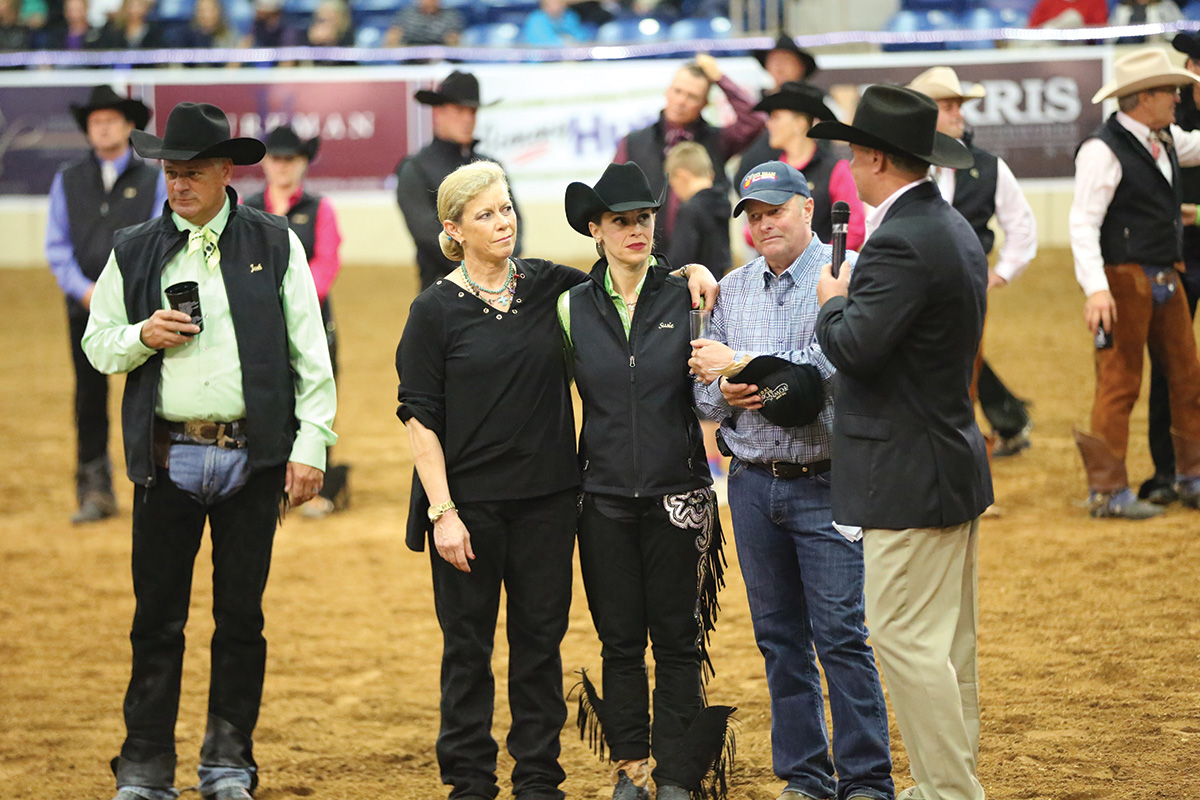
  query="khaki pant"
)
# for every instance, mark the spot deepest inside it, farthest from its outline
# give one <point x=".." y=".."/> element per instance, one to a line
<point x="922" y="612"/>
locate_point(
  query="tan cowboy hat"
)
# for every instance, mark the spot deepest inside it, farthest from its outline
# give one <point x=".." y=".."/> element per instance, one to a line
<point x="1140" y="70"/>
<point x="942" y="83"/>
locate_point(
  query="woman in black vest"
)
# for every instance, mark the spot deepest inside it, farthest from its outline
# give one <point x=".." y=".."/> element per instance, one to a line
<point x="649" y="535"/>
<point x="311" y="217"/>
<point x="793" y="110"/>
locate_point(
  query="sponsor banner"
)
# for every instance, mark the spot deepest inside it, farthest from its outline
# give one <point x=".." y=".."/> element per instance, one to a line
<point x="1034" y="115"/>
<point x="38" y="135"/>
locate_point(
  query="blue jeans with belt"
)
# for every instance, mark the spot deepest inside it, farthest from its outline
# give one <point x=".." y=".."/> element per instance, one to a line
<point x="804" y="581"/>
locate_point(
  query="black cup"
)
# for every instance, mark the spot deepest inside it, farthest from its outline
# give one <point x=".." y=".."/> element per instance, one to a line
<point x="185" y="296"/>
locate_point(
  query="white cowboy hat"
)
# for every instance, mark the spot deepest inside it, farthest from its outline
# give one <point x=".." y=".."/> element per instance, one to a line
<point x="941" y="83"/>
<point x="1140" y="70"/>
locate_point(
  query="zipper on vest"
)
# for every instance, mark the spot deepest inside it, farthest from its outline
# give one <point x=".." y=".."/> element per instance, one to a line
<point x="633" y="429"/>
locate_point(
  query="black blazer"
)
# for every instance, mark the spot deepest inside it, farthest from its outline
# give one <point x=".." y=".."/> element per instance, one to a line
<point x="907" y="452"/>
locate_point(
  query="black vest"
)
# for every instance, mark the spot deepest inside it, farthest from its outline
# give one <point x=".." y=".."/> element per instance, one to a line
<point x="647" y="148"/>
<point x="1142" y="224"/>
<point x="301" y="217"/>
<point x="640" y="436"/>
<point x="817" y="172"/>
<point x="975" y="195"/>
<point x="1187" y="116"/>
<point x="251" y="238"/>
<point x="93" y="215"/>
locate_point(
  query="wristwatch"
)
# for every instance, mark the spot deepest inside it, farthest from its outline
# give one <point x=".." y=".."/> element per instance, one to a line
<point x="438" y="511"/>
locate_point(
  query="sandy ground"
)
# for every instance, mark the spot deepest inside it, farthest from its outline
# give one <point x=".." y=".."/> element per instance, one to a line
<point x="1090" y="669"/>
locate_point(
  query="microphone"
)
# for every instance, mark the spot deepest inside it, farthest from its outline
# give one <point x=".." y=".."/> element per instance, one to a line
<point x="841" y="224"/>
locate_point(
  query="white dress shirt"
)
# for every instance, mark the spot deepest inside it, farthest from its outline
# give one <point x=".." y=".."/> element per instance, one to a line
<point x="1014" y="214"/>
<point x="875" y="215"/>
<point x="1097" y="173"/>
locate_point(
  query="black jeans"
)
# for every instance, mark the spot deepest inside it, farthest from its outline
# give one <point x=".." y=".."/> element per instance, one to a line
<point x="641" y="573"/>
<point x="526" y="546"/>
<point x="1161" y="448"/>
<point x="91" y="396"/>
<point x="167" y="528"/>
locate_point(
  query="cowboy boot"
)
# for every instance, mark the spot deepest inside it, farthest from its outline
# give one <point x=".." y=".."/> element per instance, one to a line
<point x="1109" y="484"/>
<point x="94" y="492"/>
<point x="1187" y="469"/>
<point x="632" y="778"/>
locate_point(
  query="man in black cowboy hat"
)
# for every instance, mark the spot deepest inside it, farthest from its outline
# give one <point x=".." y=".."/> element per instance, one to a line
<point x="225" y="421"/>
<point x="803" y="577"/>
<point x="455" y="103"/>
<point x="312" y="218"/>
<point x="1160" y="487"/>
<point x="90" y="199"/>
<point x="909" y="463"/>
<point x="785" y="62"/>
<point x="680" y="121"/>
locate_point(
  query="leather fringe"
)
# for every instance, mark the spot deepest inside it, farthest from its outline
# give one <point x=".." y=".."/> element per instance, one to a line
<point x="590" y="716"/>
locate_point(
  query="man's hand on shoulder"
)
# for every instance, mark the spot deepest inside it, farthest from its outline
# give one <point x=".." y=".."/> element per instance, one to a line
<point x="829" y="287"/>
<point x="302" y="483"/>
<point x="167" y="327"/>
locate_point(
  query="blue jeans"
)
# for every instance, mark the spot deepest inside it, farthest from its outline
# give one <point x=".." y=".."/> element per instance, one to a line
<point x="804" y="581"/>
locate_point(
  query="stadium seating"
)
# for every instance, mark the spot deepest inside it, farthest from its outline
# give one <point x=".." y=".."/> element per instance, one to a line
<point x="369" y="37"/>
<point x="173" y="10"/>
<point x="687" y="29"/>
<point x="631" y="31"/>
<point x="502" y="34"/>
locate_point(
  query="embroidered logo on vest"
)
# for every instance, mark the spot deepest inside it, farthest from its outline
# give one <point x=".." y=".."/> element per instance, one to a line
<point x="130" y="192"/>
<point x="256" y="267"/>
<point x="666" y="326"/>
<point x="300" y="219"/>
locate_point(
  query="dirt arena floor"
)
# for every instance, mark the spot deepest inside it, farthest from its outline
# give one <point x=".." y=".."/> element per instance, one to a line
<point x="1089" y="630"/>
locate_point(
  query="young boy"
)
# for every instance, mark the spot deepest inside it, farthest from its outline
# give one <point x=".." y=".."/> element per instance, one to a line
<point x="701" y="232"/>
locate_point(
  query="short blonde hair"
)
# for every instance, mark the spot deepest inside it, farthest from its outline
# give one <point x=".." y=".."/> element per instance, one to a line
<point x="689" y="156"/>
<point x="459" y="188"/>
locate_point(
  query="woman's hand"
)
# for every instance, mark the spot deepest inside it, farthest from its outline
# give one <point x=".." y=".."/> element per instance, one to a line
<point x="703" y="286"/>
<point x="453" y="541"/>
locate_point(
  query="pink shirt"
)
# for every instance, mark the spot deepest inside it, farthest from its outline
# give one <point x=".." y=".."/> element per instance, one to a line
<point x="325" y="261"/>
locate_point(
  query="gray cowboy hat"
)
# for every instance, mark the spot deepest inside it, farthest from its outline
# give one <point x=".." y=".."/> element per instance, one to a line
<point x="194" y="131"/>
<point x="103" y="97"/>
<point x="896" y="119"/>
<point x="622" y="187"/>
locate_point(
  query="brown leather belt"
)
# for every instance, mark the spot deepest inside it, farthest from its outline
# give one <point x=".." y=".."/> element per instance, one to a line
<point x="789" y="471"/>
<point x="227" y="435"/>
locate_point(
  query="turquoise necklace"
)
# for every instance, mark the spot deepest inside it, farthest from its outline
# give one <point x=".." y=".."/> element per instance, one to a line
<point x="505" y="292"/>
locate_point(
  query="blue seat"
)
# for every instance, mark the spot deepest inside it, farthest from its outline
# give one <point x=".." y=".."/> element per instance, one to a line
<point x="1192" y="11"/>
<point x="631" y="31"/>
<point x="919" y="22"/>
<point x="173" y="10"/>
<point x="369" y="37"/>
<point x="977" y="19"/>
<point x="380" y="18"/>
<point x="693" y="28"/>
<point x="493" y="11"/>
<point x="503" y="34"/>
<point x="945" y="6"/>
<point x="1022" y="7"/>
<point x="372" y="6"/>
<point x="240" y="14"/>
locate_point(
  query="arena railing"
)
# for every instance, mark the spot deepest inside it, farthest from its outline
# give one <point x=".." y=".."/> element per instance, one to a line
<point x="718" y="47"/>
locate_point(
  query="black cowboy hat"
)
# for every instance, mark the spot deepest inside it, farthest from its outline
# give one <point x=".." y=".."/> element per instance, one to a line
<point x="284" y="141"/>
<point x="1188" y="43"/>
<point x="787" y="43"/>
<point x="103" y="97"/>
<point x="801" y="97"/>
<point x="898" y="120"/>
<point x="198" y="130"/>
<point x="459" y="88"/>
<point x="792" y="394"/>
<point x="622" y="187"/>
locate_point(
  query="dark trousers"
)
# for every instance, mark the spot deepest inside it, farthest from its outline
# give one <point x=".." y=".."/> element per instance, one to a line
<point x="641" y="574"/>
<point x="525" y="546"/>
<point x="1161" y="448"/>
<point x="167" y="528"/>
<point x="91" y="396"/>
<point x="1004" y="411"/>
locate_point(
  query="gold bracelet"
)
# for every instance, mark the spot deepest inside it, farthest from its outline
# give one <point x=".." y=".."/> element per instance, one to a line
<point x="439" y="511"/>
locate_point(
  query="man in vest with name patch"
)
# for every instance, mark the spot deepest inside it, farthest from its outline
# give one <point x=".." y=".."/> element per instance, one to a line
<point x="90" y="200"/>
<point x="987" y="189"/>
<point x="226" y="418"/>
<point x="1126" y="237"/>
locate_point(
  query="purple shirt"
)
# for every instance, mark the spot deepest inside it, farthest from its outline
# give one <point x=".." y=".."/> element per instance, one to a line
<point x="59" y="250"/>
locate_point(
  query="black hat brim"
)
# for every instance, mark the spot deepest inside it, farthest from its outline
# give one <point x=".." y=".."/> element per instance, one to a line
<point x="307" y="148"/>
<point x="803" y="399"/>
<point x="135" y="111"/>
<point x="947" y="151"/>
<point x="582" y="204"/>
<point x="1188" y="43"/>
<point x="430" y="97"/>
<point x="786" y="43"/>
<point x="794" y="102"/>
<point x="242" y="151"/>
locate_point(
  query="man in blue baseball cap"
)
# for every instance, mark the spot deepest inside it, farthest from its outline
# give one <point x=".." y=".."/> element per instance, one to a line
<point x="765" y="380"/>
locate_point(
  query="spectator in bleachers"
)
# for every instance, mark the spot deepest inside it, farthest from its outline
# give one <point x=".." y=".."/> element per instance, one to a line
<point x="208" y="27"/>
<point x="1140" y="12"/>
<point x="34" y="14"/>
<point x="73" y="32"/>
<point x="553" y="24"/>
<point x="330" y="25"/>
<point x="14" y="35"/>
<point x="680" y="121"/>
<point x="132" y="29"/>
<point x="784" y="62"/>
<point x="1068" y="13"/>
<point x="270" y="29"/>
<point x="425" y="22"/>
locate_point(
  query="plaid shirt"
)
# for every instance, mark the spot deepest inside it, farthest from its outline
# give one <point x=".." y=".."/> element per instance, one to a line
<point x="761" y="314"/>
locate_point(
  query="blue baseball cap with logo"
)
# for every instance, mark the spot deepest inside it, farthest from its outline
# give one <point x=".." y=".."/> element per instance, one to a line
<point x="773" y="183"/>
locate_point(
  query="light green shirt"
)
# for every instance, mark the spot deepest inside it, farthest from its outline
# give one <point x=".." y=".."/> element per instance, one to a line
<point x="623" y="310"/>
<point x="203" y="378"/>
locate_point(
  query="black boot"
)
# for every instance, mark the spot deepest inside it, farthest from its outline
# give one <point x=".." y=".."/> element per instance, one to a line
<point x="94" y="492"/>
